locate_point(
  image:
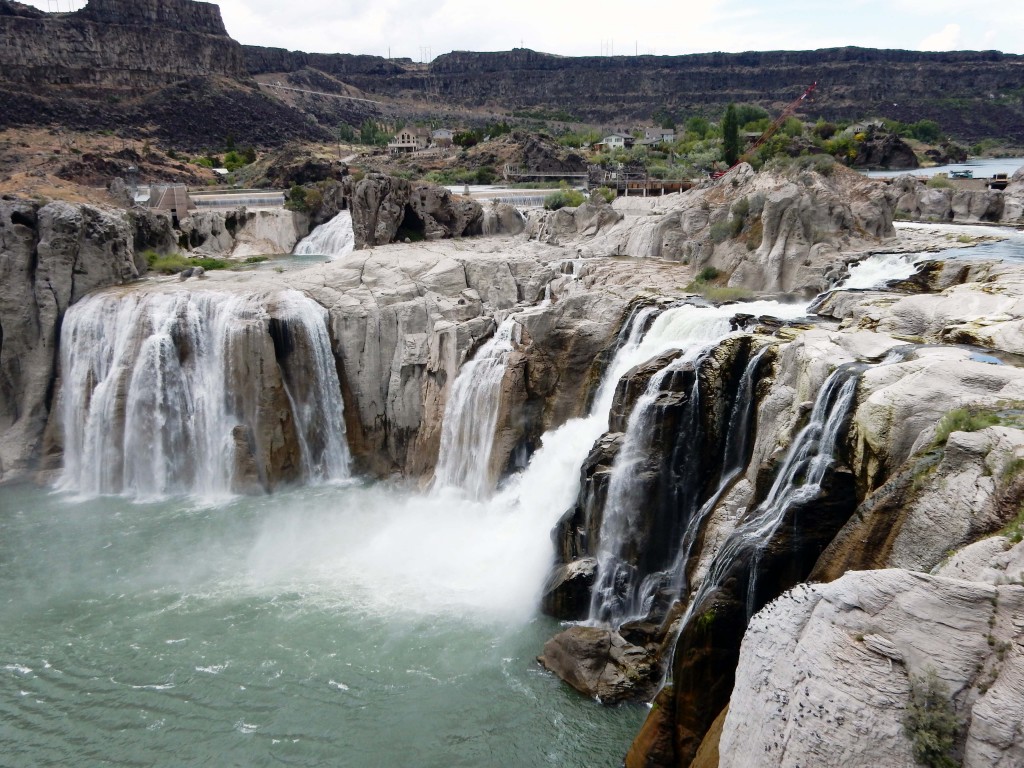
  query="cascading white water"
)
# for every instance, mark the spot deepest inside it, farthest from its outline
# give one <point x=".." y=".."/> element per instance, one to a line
<point x="618" y="592"/>
<point x="877" y="270"/>
<point x="159" y="389"/>
<point x="332" y="239"/>
<point x="471" y="414"/>
<point x="614" y="596"/>
<point x="736" y="457"/>
<point x="810" y="456"/>
<point x="314" y="390"/>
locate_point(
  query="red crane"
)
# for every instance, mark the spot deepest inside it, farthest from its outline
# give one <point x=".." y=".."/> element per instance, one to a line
<point x="771" y="130"/>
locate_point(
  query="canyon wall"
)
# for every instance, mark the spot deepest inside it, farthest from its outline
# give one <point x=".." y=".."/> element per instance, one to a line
<point x="853" y="82"/>
<point x="111" y="43"/>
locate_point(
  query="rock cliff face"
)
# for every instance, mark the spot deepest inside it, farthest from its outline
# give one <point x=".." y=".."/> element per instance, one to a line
<point x="854" y="82"/>
<point x="386" y="209"/>
<point x="148" y="69"/>
<point x="121" y="44"/>
<point x="241" y="233"/>
<point x="923" y="203"/>
<point x="782" y="231"/>
<point x="50" y="257"/>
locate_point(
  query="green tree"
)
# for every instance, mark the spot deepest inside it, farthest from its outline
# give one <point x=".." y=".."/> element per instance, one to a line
<point x="346" y="133"/>
<point x="927" y="131"/>
<point x="698" y="126"/>
<point x="370" y="133"/>
<point x="730" y="136"/>
<point x="750" y="113"/>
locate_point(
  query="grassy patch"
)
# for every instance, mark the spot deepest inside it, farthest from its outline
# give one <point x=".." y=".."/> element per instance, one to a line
<point x="564" y="198"/>
<point x="1014" y="530"/>
<point x="173" y="263"/>
<point x="709" y="284"/>
<point x="963" y="420"/>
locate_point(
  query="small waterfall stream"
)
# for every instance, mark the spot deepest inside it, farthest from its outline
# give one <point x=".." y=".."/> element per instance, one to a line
<point x="172" y="393"/>
<point x="471" y="414"/>
<point x="799" y="481"/>
<point x="332" y="239"/>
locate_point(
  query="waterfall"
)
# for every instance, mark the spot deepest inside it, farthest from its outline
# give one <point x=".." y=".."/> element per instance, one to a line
<point x="881" y="268"/>
<point x="736" y="457"/>
<point x="312" y="384"/>
<point x="614" y="596"/>
<point x="471" y="414"/>
<point x="623" y="588"/>
<point x="332" y="239"/>
<point x="183" y="392"/>
<point x="799" y="481"/>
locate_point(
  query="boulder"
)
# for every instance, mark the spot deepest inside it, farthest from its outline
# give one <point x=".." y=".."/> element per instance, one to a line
<point x="567" y="591"/>
<point x="600" y="663"/>
<point x="826" y="665"/>
<point x="884" y="150"/>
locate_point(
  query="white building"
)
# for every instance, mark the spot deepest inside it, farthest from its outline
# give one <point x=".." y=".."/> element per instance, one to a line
<point x="617" y="141"/>
<point x="659" y="134"/>
<point x="409" y="140"/>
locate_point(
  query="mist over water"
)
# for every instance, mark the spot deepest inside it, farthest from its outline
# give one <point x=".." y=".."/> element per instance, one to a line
<point x="354" y="625"/>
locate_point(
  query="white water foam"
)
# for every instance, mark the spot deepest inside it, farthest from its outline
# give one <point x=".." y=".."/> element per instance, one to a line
<point x="332" y="239"/>
<point x="471" y="414"/>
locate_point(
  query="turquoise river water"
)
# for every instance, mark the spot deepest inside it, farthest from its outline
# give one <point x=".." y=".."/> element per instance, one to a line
<point x="353" y="625"/>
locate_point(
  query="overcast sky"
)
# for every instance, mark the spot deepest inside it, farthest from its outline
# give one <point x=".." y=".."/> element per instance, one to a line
<point x="427" y="29"/>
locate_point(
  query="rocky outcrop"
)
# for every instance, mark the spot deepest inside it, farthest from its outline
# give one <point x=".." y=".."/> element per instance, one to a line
<point x="787" y="231"/>
<point x="386" y="209"/>
<point x="983" y="306"/>
<point x="601" y="664"/>
<point x="50" y="257"/>
<point x="915" y="200"/>
<point x="297" y="166"/>
<point x="241" y="233"/>
<point x="880" y="149"/>
<point x="826" y="664"/>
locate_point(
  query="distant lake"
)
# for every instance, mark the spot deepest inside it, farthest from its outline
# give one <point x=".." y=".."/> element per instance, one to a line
<point x="983" y="167"/>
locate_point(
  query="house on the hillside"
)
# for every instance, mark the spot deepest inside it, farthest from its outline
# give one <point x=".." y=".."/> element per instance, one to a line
<point x="442" y="137"/>
<point x="659" y="135"/>
<point x="615" y="141"/>
<point x="409" y="140"/>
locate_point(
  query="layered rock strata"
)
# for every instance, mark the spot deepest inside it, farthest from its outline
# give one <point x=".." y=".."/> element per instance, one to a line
<point x="116" y="43"/>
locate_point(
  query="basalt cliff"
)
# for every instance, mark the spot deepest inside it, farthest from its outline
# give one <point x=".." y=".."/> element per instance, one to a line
<point x="780" y="518"/>
<point x="170" y="70"/>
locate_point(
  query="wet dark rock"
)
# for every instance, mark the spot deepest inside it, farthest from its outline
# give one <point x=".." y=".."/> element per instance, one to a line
<point x="602" y="664"/>
<point x="566" y="595"/>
